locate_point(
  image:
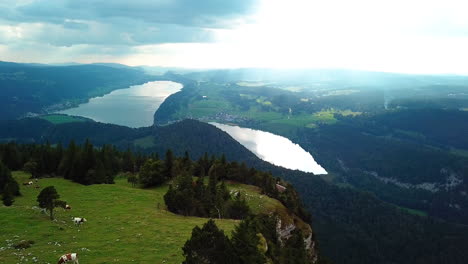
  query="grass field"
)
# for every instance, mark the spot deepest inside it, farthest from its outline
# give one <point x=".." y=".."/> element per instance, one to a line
<point x="61" y="119"/>
<point x="125" y="224"/>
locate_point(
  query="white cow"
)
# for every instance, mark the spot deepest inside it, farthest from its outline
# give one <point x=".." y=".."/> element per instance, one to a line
<point x="70" y="257"/>
<point x="78" y="220"/>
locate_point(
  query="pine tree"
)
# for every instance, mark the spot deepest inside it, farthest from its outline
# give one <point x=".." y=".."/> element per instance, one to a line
<point x="128" y="161"/>
<point x="132" y="178"/>
<point x="245" y="242"/>
<point x="294" y="249"/>
<point x="168" y="164"/>
<point x="199" y="188"/>
<point x="209" y="245"/>
<point x="151" y="173"/>
<point x="7" y="183"/>
<point x="238" y="209"/>
<point x="32" y="167"/>
<point x="58" y="154"/>
<point x="47" y="198"/>
<point x="212" y="183"/>
<point x="7" y="198"/>
<point x="66" y="163"/>
<point x="186" y="162"/>
<point x="89" y="157"/>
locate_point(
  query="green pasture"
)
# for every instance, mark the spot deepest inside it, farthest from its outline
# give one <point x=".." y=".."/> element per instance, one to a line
<point x="125" y="224"/>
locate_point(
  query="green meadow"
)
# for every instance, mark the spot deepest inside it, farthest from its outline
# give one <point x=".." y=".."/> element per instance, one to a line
<point x="125" y="224"/>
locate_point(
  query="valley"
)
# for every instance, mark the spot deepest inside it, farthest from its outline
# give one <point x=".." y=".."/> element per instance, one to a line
<point x="394" y="159"/>
<point x="233" y="132"/>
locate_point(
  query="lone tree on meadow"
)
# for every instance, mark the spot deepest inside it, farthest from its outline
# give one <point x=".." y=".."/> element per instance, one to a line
<point x="48" y="199"/>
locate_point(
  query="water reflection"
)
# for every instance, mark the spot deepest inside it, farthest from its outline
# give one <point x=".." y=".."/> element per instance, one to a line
<point x="133" y="106"/>
<point x="275" y="149"/>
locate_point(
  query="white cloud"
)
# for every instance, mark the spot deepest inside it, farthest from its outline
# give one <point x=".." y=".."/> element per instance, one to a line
<point x="403" y="36"/>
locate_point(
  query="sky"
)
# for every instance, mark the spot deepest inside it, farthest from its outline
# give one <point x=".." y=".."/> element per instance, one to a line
<point x="409" y="36"/>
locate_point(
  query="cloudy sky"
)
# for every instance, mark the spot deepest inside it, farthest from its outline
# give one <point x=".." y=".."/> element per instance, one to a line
<point x="399" y="35"/>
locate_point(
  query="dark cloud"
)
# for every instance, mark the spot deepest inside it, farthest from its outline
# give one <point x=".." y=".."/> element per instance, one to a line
<point x="123" y="22"/>
<point x="192" y="13"/>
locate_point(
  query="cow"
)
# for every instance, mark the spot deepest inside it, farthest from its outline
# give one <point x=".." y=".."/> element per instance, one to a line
<point x="67" y="207"/>
<point x="28" y="183"/>
<point x="78" y="220"/>
<point x="70" y="257"/>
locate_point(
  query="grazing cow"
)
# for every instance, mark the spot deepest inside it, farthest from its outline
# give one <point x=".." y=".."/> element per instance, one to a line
<point x="28" y="183"/>
<point x="78" y="220"/>
<point x="67" y="207"/>
<point x="70" y="257"/>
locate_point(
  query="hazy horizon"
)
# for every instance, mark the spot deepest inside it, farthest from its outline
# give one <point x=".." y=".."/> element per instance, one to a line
<point x="417" y="37"/>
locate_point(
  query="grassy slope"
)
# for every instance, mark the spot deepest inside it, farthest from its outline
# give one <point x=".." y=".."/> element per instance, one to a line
<point x="124" y="224"/>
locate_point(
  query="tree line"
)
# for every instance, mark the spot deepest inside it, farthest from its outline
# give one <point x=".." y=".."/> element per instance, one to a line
<point x="87" y="164"/>
<point x="254" y="240"/>
<point x="193" y="197"/>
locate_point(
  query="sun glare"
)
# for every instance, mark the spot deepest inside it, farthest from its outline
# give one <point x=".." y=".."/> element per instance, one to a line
<point x="393" y="36"/>
<point x="386" y="36"/>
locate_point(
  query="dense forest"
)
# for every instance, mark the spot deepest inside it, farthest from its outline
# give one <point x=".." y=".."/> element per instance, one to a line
<point x="350" y="226"/>
<point x="213" y="199"/>
<point x="84" y="164"/>
<point x="27" y="88"/>
<point x="399" y="157"/>
<point x="254" y="240"/>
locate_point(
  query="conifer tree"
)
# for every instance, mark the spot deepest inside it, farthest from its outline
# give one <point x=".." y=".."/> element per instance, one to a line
<point x="7" y="183"/>
<point x="7" y="197"/>
<point x="294" y="249"/>
<point x="12" y="156"/>
<point x="151" y="173"/>
<point x="32" y="167"/>
<point x="128" y="161"/>
<point x="209" y="245"/>
<point x="67" y="161"/>
<point x="168" y="164"/>
<point x="47" y="198"/>
<point x="245" y="242"/>
<point x="238" y="209"/>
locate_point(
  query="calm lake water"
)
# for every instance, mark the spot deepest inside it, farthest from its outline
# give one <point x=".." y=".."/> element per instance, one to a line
<point x="275" y="149"/>
<point x="133" y="107"/>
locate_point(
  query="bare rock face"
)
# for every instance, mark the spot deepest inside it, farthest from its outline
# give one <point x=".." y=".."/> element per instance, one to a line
<point x="284" y="233"/>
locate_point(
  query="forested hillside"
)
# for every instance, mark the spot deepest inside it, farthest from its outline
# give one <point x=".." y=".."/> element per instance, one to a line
<point x="262" y="207"/>
<point x="351" y="226"/>
<point x="27" y="89"/>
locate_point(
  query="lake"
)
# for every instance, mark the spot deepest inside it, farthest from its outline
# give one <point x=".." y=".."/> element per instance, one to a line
<point x="274" y="149"/>
<point x="133" y="107"/>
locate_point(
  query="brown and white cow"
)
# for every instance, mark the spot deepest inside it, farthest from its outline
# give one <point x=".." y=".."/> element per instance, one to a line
<point x="69" y="257"/>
